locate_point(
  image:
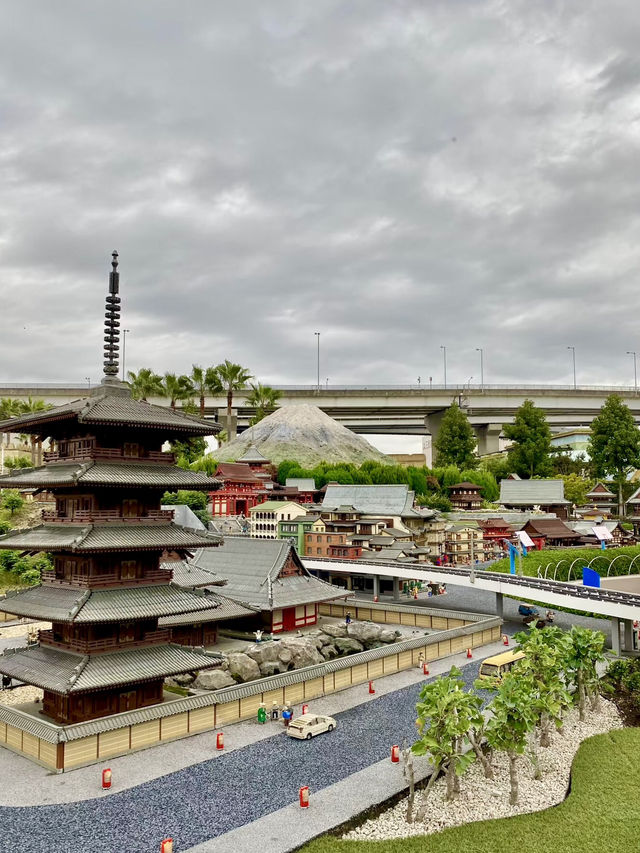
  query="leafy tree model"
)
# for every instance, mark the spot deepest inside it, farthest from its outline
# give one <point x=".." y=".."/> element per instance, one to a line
<point x="456" y="441"/>
<point x="446" y="713"/>
<point x="575" y="488"/>
<point x="614" y="444"/>
<point x="145" y="383"/>
<point x="531" y="439"/>
<point x="205" y="381"/>
<point x="176" y="388"/>
<point x="12" y="500"/>
<point x="31" y="407"/>
<point x="9" y="408"/>
<point x="233" y="377"/>
<point x="584" y="651"/>
<point x="263" y="399"/>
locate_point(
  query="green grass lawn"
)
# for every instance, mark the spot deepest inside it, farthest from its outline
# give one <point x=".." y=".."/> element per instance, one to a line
<point x="602" y="813"/>
<point x="599" y="560"/>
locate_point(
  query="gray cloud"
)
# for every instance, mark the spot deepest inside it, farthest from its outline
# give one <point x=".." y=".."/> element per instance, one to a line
<point x="398" y="175"/>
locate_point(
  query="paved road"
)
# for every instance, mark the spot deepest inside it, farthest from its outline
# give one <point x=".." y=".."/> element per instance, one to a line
<point x="218" y="795"/>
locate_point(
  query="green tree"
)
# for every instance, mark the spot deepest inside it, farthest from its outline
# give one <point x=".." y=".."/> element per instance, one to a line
<point x="585" y="649"/>
<point x="145" y="383"/>
<point x="205" y="381"/>
<point x="614" y="443"/>
<point x="513" y="718"/>
<point x="196" y="501"/>
<point x="9" y="408"/>
<point x="176" y="388"/>
<point x="446" y="713"/>
<point x="456" y="441"/>
<point x="575" y="488"/>
<point x="34" y="407"/>
<point x="12" y="500"/>
<point x="263" y="399"/>
<point x="189" y="451"/>
<point x="234" y="378"/>
<point x="531" y="437"/>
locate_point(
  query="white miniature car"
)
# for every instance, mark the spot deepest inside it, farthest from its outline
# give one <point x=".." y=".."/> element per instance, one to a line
<point x="309" y="725"/>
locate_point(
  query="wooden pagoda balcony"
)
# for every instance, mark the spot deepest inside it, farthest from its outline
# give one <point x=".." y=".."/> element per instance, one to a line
<point x="151" y="576"/>
<point x="104" y="516"/>
<point x="108" y="454"/>
<point x="110" y="644"/>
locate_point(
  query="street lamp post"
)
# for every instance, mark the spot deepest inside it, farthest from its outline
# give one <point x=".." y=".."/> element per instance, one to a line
<point x="573" y="350"/>
<point x="481" y="351"/>
<point x="88" y="378"/>
<point x="444" y="358"/>
<point x="125" y="332"/>
<point x="317" y="334"/>
<point x="635" y="372"/>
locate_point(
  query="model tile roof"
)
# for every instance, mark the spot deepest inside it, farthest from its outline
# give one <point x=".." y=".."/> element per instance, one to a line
<point x="112" y="404"/>
<point x="467" y="485"/>
<point x="237" y="472"/>
<point x="253" y="455"/>
<point x="252" y="567"/>
<point x="551" y="528"/>
<point x="371" y="500"/>
<point x="532" y="492"/>
<point x="67" y="672"/>
<point x="303" y="484"/>
<point x="224" y="609"/>
<point x="106" y="537"/>
<point x="272" y="506"/>
<point x="600" y="491"/>
<point x="112" y="474"/>
<point x="189" y="576"/>
<point x="84" y="606"/>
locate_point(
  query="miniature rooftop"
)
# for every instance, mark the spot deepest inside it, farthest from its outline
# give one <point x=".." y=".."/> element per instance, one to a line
<point x="107" y="537"/>
<point x="254" y="457"/>
<point x="239" y="472"/>
<point x="252" y="569"/>
<point x="111" y="474"/>
<point x="393" y="500"/>
<point x="532" y="492"/>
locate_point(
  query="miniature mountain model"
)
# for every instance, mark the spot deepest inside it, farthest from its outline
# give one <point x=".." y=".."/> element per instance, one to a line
<point x="304" y="433"/>
<point x="105" y="653"/>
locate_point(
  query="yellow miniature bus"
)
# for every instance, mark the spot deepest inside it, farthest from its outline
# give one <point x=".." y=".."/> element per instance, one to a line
<point x="498" y="665"/>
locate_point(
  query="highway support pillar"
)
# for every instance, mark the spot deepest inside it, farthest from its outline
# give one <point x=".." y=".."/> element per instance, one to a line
<point x="396" y="589"/>
<point x="628" y="638"/>
<point x="488" y="436"/>
<point x="499" y="604"/>
<point x="376" y="586"/>
<point x="615" y="635"/>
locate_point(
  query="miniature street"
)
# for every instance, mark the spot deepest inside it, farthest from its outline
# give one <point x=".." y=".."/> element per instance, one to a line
<point x="189" y="792"/>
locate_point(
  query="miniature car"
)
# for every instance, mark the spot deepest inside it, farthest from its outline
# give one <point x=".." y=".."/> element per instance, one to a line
<point x="527" y="610"/>
<point x="310" y="725"/>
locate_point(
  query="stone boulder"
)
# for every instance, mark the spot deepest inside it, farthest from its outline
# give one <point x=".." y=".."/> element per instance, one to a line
<point x="364" y="632"/>
<point x="185" y="679"/>
<point x="214" y="679"/>
<point x="303" y="652"/>
<point x="243" y="668"/>
<point x="348" y="646"/>
<point x="271" y="667"/>
<point x="389" y="636"/>
<point x="329" y="652"/>
<point x="264" y="652"/>
<point x="335" y="630"/>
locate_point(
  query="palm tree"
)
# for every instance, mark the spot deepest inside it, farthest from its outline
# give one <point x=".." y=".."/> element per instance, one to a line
<point x="145" y="383"/>
<point x="176" y="388"/>
<point x="32" y="407"/>
<point x="263" y="398"/>
<point x="233" y="377"/>
<point x="9" y="408"/>
<point x="205" y="381"/>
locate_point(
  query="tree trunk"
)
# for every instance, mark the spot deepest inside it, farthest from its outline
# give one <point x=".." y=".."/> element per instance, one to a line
<point x="409" y="775"/>
<point x="202" y="406"/>
<point x="594" y="698"/>
<point x="581" y="697"/>
<point x="451" y="775"/>
<point x="33" y="451"/>
<point x="545" y="730"/>
<point x="482" y="758"/>
<point x="620" y="507"/>
<point x="537" y="773"/>
<point x="513" y="778"/>
<point x="420" y="814"/>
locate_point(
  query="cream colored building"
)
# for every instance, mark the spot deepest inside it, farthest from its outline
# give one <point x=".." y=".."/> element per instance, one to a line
<point x="464" y="543"/>
<point x="264" y="518"/>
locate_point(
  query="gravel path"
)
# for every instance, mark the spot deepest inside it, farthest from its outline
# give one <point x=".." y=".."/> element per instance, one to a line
<point x="216" y="796"/>
<point x="481" y="799"/>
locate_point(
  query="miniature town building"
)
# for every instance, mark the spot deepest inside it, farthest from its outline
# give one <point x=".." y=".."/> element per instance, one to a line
<point x="465" y="496"/>
<point x="267" y="575"/>
<point x="550" y="531"/>
<point x="105" y="652"/>
<point x="239" y="490"/>
<point x="603" y="499"/>
<point x="464" y="543"/>
<point x="545" y="495"/>
<point x="494" y="532"/>
<point x="266" y="516"/>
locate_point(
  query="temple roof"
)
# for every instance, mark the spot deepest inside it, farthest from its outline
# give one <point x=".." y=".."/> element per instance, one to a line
<point x="532" y="492"/>
<point x="190" y="576"/>
<point x="252" y="569"/>
<point x="253" y="455"/>
<point x="111" y="404"/>
<point x="118" y="604"/>
<point x="107" y="537"/>
<point x="69" y="672"/>
<point x="396" y="499"/>
<point x="116" y="474"/>
<point x="224" y="608"/>
<point x="238" y="472"/>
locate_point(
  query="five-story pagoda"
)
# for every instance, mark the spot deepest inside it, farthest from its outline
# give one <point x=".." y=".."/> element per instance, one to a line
<point x="107" y="472"/>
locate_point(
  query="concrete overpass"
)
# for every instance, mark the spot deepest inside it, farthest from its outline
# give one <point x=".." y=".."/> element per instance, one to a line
<point x="623" y="608"/>
<point x="399" y="409"/>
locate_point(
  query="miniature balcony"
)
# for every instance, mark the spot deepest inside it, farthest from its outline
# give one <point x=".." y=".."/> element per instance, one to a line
<point x="105" y="516"/>
<point x="151" y="576"/>
<point x="109" y="454"/>
<point x="110" y="644"/>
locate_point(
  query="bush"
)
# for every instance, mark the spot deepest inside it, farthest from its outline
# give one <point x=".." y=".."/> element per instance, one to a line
<point x="12" y="500"/>
<point x="5" y="527"/>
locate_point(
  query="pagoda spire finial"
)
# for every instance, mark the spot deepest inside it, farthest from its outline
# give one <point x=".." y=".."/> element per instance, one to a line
<point x="112" y="321"/>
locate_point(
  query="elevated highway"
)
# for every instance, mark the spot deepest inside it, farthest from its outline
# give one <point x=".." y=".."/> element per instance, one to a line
<point x="622" y="607"/>
<point x="399" y="409"/>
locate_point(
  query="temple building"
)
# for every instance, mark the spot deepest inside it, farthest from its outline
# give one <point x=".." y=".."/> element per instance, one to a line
<point x="239" y="489"/>
<point x="106" y="651"/>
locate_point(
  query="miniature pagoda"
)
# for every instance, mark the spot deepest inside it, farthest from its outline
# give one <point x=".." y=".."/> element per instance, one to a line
<point x="107" y="535"/>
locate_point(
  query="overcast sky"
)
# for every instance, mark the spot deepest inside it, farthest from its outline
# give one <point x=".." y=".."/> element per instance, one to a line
<point x="397" y="175"/>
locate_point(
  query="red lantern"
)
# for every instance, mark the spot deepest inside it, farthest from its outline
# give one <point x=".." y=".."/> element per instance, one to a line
<point x="106" y="777"/>
<point x="469" y="655"/>
<point x="425" y="668"/>
<point x="371" y="687"/>
<point x="166" y="846"/>
<point x="395" y="753"/>
<point x="304" y="797"/>
<point x="219" y="741"/>
<point x="305" y="709"/>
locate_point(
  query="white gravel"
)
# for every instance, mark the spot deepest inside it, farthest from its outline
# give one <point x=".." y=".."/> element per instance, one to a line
<point x="20" y="695"/>
<point x="482" y="799"/>
<point x="23" y="629"/>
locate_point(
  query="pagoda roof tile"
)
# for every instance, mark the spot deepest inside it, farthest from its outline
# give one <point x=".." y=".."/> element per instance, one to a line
<point x="112" y="474"/>
<point x="66" y="672"/>
<point x="106" y="537"/>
